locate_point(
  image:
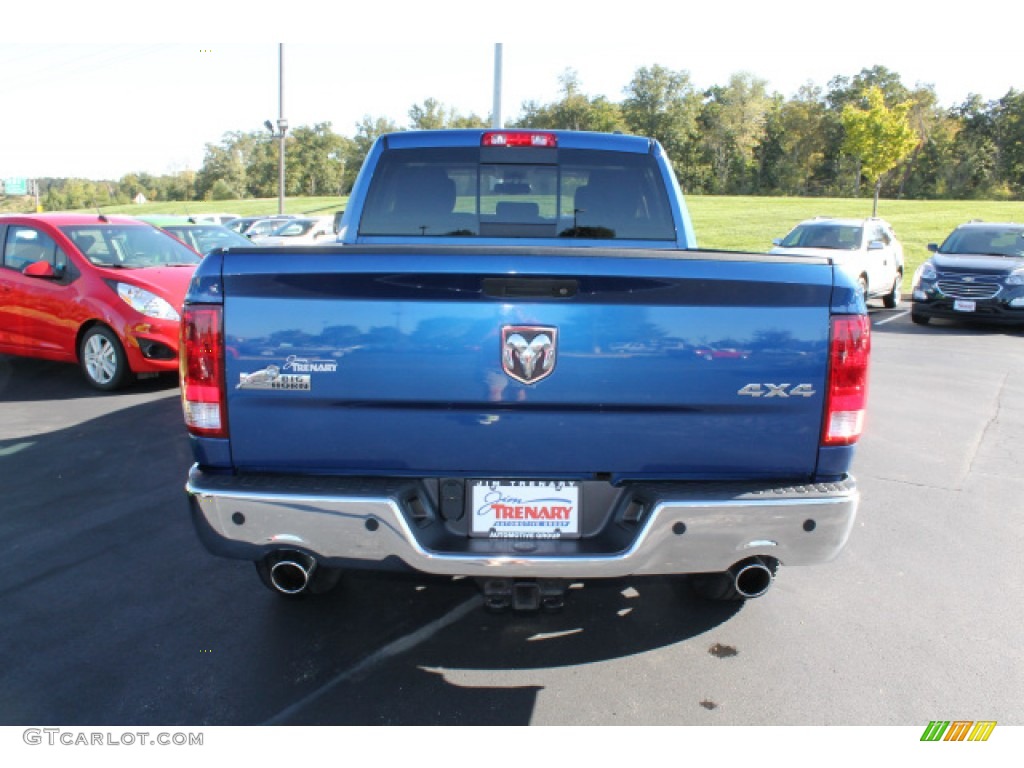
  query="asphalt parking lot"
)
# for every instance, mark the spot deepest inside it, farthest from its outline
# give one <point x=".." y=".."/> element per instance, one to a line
<point x="114" y="614"/>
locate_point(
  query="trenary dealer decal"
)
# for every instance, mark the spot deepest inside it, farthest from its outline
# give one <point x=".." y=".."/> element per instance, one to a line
<point x="297" y="364"/>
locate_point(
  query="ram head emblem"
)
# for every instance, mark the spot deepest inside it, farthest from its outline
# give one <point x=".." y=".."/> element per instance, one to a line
<point x="528" y="352"/>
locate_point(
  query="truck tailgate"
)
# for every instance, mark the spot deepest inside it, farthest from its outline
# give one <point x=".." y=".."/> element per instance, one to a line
<point x="511" y="362"/>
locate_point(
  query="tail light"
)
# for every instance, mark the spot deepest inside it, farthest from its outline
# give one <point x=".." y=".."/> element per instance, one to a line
<point x="202" y="372"/>
<point x="849" y="352"/>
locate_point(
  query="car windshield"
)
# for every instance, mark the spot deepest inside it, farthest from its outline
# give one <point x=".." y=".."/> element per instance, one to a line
<point x="265" y="227"/>
<point x="239" y="225"/>
<point x="845" y="237"/>
<point x="986" y="241"/>
<point x="294" y="228"/>
<point x="119" y="245"/>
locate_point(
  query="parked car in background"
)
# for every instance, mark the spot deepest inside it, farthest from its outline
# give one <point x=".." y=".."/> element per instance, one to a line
<point x="263" y="225"/>
<point x="101" y="291"/>
<point x="310" y="231"/>
<point x="202" y="237"/>
<point x="976" y="274"/>
<point x="866" y="249"/>
<point x="214" y="218"/>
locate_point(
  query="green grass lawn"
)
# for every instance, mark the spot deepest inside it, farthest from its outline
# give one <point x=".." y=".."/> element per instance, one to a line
<point x="727" y="223"/>
<point x="750" y="223"/>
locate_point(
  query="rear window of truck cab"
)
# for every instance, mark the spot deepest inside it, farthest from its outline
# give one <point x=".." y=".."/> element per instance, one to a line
<point x="473" y="192"/>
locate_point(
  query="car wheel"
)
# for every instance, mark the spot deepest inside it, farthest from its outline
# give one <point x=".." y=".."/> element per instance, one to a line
<point x="920" y="319"/>
<point x="103" y="359"/>
<point x="892" y="299"/>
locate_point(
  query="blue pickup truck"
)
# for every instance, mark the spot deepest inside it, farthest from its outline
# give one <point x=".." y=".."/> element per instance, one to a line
<point x="517" y="366"/>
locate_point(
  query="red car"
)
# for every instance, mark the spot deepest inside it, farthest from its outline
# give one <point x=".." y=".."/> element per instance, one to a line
<point x="103" y="291"/>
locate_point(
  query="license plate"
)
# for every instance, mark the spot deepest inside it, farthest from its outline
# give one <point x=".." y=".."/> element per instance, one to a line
<point x="963" y="305"/>
<point x="526" y="509"/>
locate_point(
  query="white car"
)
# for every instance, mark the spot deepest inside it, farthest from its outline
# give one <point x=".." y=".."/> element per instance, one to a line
<point x="214" y="218"/>
<point x="866" y="249"/>
<point x="305" y="231"/>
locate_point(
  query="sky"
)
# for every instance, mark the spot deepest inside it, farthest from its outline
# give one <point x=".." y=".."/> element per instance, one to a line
<point x="95" y="91"/>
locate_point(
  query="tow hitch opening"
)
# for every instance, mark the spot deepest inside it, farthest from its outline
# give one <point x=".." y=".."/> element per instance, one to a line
<point x="524" y="594"/>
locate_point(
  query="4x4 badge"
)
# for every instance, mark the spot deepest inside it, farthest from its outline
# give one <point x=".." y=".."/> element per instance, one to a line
<point x="528" y="351"/>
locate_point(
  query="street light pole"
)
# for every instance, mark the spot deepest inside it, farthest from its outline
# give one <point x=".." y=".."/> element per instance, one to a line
<point x="496" y="121"/>
<point x="282" y="128"/>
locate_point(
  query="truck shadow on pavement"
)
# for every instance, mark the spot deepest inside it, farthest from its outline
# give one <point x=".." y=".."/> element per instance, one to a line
<point x="442" y="678"/>
<point x="116" y="615"/>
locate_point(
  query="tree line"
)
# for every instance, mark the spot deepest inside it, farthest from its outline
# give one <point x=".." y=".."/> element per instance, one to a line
<point x="732" y="139"/>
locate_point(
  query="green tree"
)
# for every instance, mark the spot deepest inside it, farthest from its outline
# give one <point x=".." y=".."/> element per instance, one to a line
<point x="926" y="119"/>
<point x="663" y="104"/>
<point x="133" y="186"/>
<point x="878" y="136"/>
<point x="368" y="130"/>
<point x="975" y="172"/>
<point x="432" y="115"/>
<point x="221" y="190"/>
<point x="853" y="90"/>
<point x="262" y="169"/>
<point x="226" y="162"/>
<point x="102" y="194"/>
<point x="841" y="172"/>
<point x="1008" y="132"/>
<point x="53" y="200"/>
<point x="574" y="111"/>
<point x="78" y="194"/>
<point x="316" y="159"/>
<point x="935" y="165"/>
<point x="472" y="120"/>
<point x="733" y="126"/>
<point x="802" y="140"/>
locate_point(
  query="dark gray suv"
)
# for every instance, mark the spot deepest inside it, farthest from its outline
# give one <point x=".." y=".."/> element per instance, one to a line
<point x="976" y="274"/>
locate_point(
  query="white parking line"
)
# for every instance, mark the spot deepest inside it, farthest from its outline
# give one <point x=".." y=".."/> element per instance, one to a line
<point x="400" y="645"/>
<point x="892" y="317"/>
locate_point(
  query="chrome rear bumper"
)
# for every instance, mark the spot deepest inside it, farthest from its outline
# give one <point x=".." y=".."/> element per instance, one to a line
<point x="364" y="523"/>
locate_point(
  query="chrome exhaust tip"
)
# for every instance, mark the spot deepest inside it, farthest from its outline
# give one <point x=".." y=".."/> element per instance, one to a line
<point x="292" y="572"/>
<point x="752" y="577"/>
